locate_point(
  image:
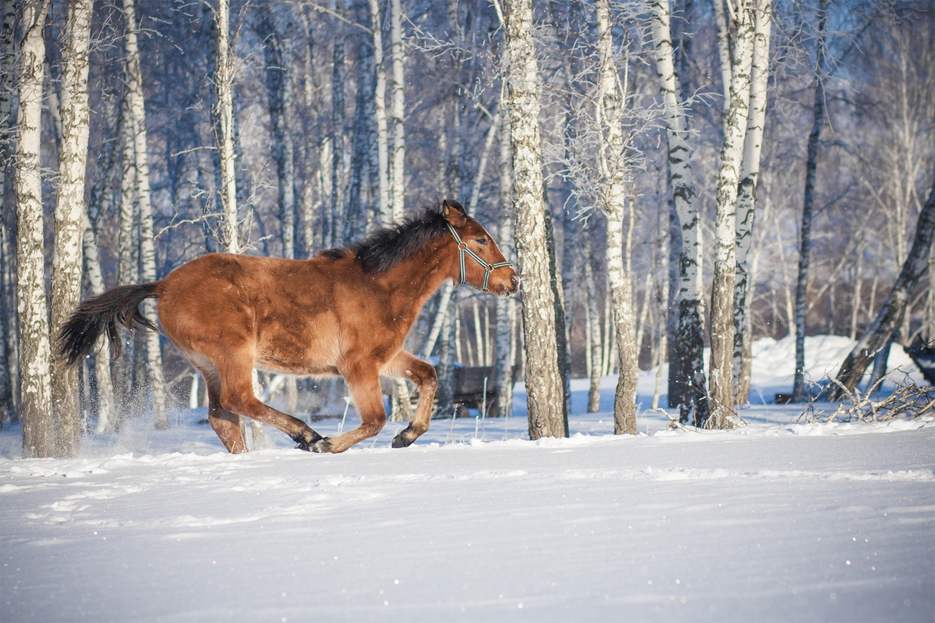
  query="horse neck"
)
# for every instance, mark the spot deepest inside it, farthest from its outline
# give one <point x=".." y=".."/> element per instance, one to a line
<point x="418" y="277"/>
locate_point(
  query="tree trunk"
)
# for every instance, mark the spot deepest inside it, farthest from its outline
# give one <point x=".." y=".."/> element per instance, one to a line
<point x="136" y="102"/>
<point x="398" y="161"/>
<point x="544" y="384"/>
<point x="891" y="314"/>
<point x="721" y="393"/>
<point x="224" y="109"/>
<point x="379" y="98"/>
<point x="69" y="213"/>
<point x="9" y="374"/>
<point x="34" y="344"/>
<point x="689" y="342"/>
<point x="594" y="325"/>
<point x="505" y="305"/>
<point x="746" y="198"/>
<point x="335" y="222"/>
<point x="613" y="187"/>
<point x="106" y="410"/>
<point x="805" y="235"/>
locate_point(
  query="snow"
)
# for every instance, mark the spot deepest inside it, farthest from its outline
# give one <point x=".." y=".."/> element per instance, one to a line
<point x="780" y="520"/>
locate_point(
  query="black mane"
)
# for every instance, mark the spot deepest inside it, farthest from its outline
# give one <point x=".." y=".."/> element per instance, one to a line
<point x="385" y="248"/>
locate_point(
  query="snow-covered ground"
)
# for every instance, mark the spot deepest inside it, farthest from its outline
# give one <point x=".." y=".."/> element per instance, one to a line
<point x="775" y="521"/>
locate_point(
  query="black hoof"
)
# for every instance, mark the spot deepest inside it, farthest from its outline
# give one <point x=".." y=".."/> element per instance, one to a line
<point x="306" y="444"/>
<point x="321" y="446"/>
<point x="402" y="440"/>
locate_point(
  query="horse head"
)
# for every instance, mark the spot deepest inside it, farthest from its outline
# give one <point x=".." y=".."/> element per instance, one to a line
<point x="480" y="261"/>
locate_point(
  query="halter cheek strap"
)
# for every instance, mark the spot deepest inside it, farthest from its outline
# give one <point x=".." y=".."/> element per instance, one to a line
<point x="464" y="250"/>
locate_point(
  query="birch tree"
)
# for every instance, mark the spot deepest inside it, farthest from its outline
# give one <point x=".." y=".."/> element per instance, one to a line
<point x="137" y="114"/>
<point x="689" y="344"/>
<point x="544" y="383"/>
<point x="805" y="240"/>
<point x="9" y="375"/>
<point x="613" y="169"/>
<point x="740" y="25"/>
<point x="506" y="306"/>
<point x="384" y="208"/>
<point x="34" y="344"/>
<point x="398" y="161"/>
<point x="746" y="199"/>
<point x="224" y="110"/>
<point x="69" y="213"/>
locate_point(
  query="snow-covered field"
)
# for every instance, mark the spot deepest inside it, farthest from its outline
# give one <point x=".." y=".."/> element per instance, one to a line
<point x="775" y="521"/>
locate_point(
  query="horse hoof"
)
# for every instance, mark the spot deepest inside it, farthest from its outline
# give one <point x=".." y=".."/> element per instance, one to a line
<point x="400" y="441"/>
<point x="306" y="444"/>
<point x="321" y="446"/>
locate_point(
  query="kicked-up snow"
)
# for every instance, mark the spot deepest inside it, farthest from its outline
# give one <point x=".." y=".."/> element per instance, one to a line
<point x="776" y="521"/>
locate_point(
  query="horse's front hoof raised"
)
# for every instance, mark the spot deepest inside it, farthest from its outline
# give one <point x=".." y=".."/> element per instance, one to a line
<point x="321" y="446"/>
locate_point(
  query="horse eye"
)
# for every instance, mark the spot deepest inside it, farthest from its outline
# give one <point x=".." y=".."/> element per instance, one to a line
<point x="481" y="241"/>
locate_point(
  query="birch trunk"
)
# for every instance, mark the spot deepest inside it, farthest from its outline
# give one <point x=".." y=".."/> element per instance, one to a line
<point x="136" y="102"/>
<point x="543" y="377"/>
<point x="895" y="307"/>
<point x="398" y="162"/>
<point x="69" y="213"/>
<point x="594" y="325"/>
<point x="613" y="181"/>
<point x="505" y="347"/>
<point x="335" y="221"/>
<point x="379" y="98"/>
<point x="9" y="392"/>
<point x="746" y="199"/>
<point x="34" y="345"/>
<point x="689" y="342"/>
<point x="224" y="109"/>
<point x="721" y="394"/>
<point x="805" y="238"/>
<point x="9" y="374"/>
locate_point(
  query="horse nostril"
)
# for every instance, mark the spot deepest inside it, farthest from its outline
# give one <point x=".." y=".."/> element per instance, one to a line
<point x="514" y="281"/>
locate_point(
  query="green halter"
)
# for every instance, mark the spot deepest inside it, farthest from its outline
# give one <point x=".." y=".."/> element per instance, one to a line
<point x="464" y="250"/>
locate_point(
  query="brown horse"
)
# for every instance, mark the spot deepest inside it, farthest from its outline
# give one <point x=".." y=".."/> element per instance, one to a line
<point x="346" y="311"/>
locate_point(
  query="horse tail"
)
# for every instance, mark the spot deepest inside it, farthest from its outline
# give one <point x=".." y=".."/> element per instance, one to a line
<point x="101" y="314"/>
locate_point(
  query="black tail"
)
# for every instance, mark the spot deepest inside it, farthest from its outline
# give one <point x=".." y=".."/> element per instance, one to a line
<point x="102" y="313"/>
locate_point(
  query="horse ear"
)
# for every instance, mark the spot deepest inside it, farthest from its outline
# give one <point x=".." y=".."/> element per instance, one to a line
<point x="454" y="213"/>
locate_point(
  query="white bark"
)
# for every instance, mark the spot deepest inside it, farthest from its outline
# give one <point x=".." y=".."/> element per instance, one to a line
<point x="379" y="98"/>
<point x="505" y="344"/>
<point x="35" y="348"/>
<point x="613" y="181"/>
<point x="398" y="162"/>
<point x="690" y="342"/>
<point x="69" y="214"/>
<point x="721" y="394"/>
<point x="544" y="383"/>
<point x="223" y="83"/>
<point x="136" y="102"/>
<point x="749" y="174"/>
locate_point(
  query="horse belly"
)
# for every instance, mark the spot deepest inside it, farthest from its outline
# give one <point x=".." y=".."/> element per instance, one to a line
<point x="305" y="354"/>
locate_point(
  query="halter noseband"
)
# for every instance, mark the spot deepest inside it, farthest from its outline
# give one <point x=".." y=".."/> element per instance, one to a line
<point x="464" y="250"/>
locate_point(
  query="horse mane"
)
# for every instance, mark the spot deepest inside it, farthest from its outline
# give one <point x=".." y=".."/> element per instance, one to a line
<point x="386" y="247"/>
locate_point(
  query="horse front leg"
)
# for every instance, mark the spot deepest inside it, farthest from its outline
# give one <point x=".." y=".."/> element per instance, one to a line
<point x="408" y="366"/>
<point x="363" y="382"/>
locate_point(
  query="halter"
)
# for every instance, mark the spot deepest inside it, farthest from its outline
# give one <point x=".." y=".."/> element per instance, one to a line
<point x="464" y="250"/>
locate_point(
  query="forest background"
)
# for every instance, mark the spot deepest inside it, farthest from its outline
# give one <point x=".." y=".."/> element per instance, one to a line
<point x="343" y="116"/>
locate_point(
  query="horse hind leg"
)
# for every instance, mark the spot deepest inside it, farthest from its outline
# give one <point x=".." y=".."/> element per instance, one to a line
<point x="237" y="397"/>
<point x="225" y="423"/>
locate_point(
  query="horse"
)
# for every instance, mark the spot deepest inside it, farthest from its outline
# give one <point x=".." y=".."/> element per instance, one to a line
<point x="343" y="312"/>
